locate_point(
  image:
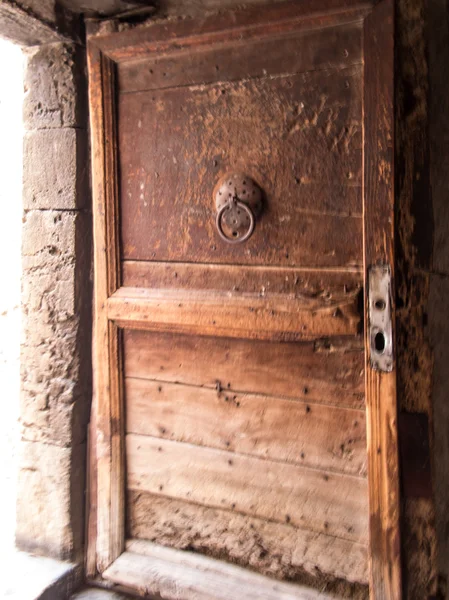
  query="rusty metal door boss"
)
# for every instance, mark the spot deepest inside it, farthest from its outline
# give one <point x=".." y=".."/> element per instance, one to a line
<point x="238" y="200"/>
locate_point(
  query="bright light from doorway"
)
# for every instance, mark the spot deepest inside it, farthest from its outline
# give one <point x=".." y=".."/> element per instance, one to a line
<point x="11" y="134"/>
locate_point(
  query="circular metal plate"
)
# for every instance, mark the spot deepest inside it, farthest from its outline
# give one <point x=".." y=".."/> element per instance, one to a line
<point x="240" y="187"/>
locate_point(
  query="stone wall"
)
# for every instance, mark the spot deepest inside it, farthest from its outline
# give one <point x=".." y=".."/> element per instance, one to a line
<point x="56" y="304"/>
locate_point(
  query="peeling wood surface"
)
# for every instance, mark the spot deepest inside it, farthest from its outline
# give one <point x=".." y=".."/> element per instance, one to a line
<point x="167" y="185"/>
<point x="318" y="436"/>
<point x="328" y="372"/>
<point x="274" y="549"/>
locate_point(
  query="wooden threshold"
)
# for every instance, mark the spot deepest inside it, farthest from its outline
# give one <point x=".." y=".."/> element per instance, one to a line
<point x="179" y="575"/>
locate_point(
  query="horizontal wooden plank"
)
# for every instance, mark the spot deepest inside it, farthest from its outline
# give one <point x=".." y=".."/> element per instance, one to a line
<point x="263" y="281"/>
<point x="177" y="575"/>
<point x="318" y="436"/>
<point x="230" y="27"/>
<point x="302" y="141"/>
<point x="275" y="549"/>
<point x="323" y="502"/>
<point x="324" y="371"/>
<point x="333" y="47"/>
<point x="238" y="315"/>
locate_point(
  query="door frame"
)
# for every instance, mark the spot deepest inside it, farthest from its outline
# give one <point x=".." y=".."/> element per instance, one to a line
<point x="106" y="496"/>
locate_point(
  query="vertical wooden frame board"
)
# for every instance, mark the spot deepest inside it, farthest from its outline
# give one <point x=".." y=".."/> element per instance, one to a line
<point x="380" y="388"/>
<point x="106" y="522"/>
<point x="107" y="533"/>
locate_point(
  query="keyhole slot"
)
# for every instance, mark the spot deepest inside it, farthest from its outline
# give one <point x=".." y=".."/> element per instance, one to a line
<point x="380" y="342"/>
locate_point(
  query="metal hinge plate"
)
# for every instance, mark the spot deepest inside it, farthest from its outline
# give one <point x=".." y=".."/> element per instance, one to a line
<point x="379" y="318"/>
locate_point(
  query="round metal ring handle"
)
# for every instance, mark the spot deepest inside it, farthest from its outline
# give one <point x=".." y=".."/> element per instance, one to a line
<point x="229" y="206"/>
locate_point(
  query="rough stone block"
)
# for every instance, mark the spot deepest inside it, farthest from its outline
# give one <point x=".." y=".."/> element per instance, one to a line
<point x="49" y="234"/>
<point x="56" y="345"/>
<point x="43" y="9"/>
<point x="55" y="90"/>
<point x="46" y="418"/>
<point x="52" y="290"/>
<point x="55" y="169"/>
<point x="53" y="239"/>
<point x="55" y="379"/>
<point x="50" y="503"/>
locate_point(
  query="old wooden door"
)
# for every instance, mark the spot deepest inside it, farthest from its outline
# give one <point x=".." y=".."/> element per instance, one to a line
<point x="243" y="195"/>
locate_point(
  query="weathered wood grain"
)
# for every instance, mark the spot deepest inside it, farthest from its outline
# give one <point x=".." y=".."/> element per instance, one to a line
<point x="300" y="137"/>
<point x="381" y="391"/>
<point x="175" y="144"/>
<point x="90" y="559"/>
<point x="109" y="450"/>
<point x="329" y="285"/>
<point x="235" y="315"/>
<point x="337" y="47"/>
<point x="327" y="372"/>
<point x="275" y="549"/>
<point x="317" y="500"/>
<point x="253" y="22"/>
<point x="179" y="575"/>
<point x="318" y="436"/>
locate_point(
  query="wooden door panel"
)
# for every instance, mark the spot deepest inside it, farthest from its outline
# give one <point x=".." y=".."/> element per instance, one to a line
<point x="230" y="396"/>
<point x="335" y="47"/>
<point x="320" y="501"/>
<point x="238" y="301"/>
<point x="277" y="130"/>
<point x="308" y="286"/>
<point x="233" y="315"/>
<point x="297" y="432"/>
<point x="276" y="549"/>
<point x="327" y="371"/>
